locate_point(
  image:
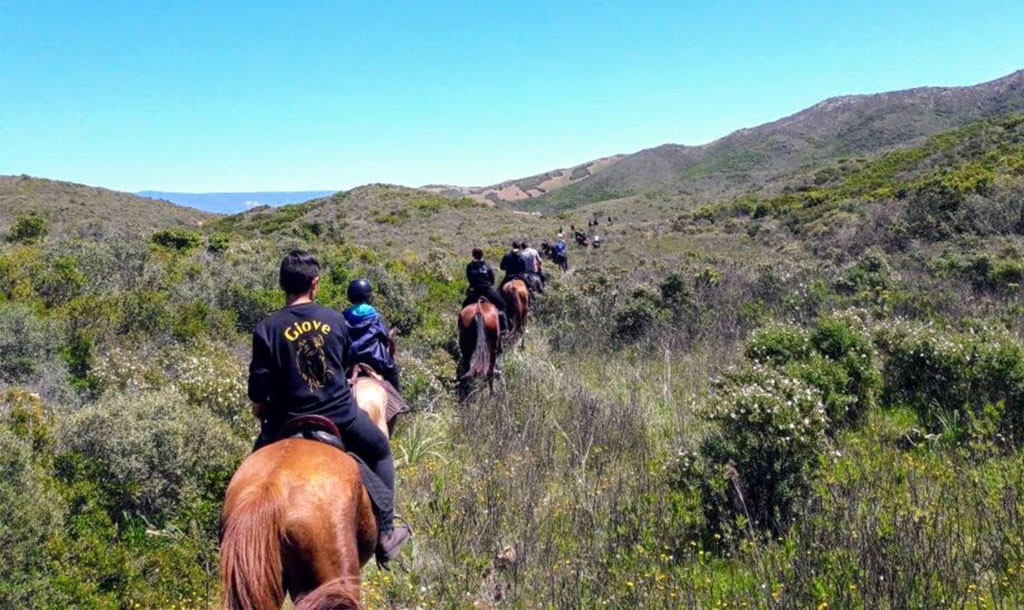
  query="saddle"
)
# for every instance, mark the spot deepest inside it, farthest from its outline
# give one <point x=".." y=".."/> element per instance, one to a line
<point x="315" y="428"/>
<point x="396" y="403"/>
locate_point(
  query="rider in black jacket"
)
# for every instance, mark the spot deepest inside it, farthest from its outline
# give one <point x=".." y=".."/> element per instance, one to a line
<point x="481" y="284"/>
<point x="513" y="264"/>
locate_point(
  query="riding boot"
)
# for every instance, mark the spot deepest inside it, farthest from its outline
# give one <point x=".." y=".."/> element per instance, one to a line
<point x="390" y="543"/>
<point x="502" y="322"/>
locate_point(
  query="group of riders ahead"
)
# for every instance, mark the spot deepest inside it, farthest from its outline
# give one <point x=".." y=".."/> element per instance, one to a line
<point x="302" y="353"/>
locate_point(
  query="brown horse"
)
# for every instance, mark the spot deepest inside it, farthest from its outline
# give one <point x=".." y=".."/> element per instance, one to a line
<point x="517" y="300"/>
<point x="296" y="520"/>
<point x="478" y="342"/>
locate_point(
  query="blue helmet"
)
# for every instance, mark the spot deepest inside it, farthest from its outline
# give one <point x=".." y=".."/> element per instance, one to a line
<point x="359" y="291"/>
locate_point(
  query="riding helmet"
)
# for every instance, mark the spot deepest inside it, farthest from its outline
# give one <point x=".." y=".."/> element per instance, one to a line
<point x="359" y="291"/>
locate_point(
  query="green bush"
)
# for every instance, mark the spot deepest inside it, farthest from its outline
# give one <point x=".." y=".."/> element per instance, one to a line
<point x="871" y="273"/>
<point x="760" y="457"/>
<point x="181" y="241"/>
<point x="834" y="357"/>
<point x="31" y="515"/>
<point x="28" y="227"/>
<point x="153" y="453"/>
<point x="26" y="342"/>
<point x="956" y="380"/>
<point x="218" y="242"/>
<point x="636" y="317"/>
<point x="778" y="344"/>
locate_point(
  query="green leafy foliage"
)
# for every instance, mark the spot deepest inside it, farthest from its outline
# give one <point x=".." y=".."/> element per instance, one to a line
<point x="28" y="228"/>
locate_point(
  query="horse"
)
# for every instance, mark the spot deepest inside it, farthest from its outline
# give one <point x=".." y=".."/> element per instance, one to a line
<point x="298" y="521"/>
<point x="478" y="343"/>
<point x="517" y="300"/>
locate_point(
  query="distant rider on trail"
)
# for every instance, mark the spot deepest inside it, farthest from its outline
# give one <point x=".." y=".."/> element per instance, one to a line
<point x="513" y="264"/>
<point x="370" y="339"/>
<point x="534" y="275"/>
<point x="299" y="357"/>
<point x="481" y="285"/>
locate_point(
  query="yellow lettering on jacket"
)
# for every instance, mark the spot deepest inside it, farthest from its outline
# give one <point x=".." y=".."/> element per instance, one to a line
<point x="297" y="329"/>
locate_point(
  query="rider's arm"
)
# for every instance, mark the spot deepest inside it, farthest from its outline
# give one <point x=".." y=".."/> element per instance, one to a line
<point x="490" y="276"/>
<point x="260" y="372"/>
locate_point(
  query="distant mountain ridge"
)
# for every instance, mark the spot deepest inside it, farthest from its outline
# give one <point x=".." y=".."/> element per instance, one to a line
<point x="231" y="203"/>
<point x="754" y="157"/>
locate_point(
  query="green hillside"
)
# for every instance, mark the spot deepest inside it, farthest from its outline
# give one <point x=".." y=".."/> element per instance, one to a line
<point x="76" y="210"/>
<point x="758" y="157"/>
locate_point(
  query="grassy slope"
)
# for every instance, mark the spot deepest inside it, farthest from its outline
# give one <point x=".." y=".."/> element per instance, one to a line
<point x="75" y="209"/>
<point x="757" y="157"/>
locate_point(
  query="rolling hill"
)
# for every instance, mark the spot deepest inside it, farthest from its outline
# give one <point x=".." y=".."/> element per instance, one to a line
<point x="847" y="126"/>
<point x="78" y="210"/>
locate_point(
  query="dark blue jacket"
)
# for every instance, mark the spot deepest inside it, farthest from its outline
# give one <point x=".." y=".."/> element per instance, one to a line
<point x="369" y="336"/>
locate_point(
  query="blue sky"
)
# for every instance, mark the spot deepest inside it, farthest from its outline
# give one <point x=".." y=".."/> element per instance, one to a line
<point x="244" y="96"/>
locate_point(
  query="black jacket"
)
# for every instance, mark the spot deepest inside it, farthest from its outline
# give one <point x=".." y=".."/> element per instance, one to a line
<point x="513" y="264"/>
<point x="299" y="357"/>
<point x="479" y="274"/>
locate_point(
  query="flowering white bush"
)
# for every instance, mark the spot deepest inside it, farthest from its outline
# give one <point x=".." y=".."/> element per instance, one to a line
<point x="770" y="430"/>
<point x="211" y="377"/>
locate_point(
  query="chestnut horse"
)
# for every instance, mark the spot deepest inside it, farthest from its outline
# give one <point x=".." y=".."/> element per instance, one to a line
<point x="478" y="342"/>
<point x="517" y="301"/>
<point x="297" y="520"/>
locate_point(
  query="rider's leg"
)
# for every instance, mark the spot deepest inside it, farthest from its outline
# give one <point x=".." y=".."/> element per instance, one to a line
<point x="494" y="297"/>
<point x="391" y="376"/>
<point x="363" y="437"/>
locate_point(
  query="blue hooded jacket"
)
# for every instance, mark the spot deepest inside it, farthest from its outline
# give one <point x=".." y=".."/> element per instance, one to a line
<point x="369" y="336"/>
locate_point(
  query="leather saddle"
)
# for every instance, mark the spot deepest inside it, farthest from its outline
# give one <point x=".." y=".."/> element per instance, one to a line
<point x="314" y="428"/>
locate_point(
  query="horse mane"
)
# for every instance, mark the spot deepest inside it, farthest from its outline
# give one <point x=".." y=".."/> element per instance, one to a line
<point x="481" y="362"/>
<point x="250" y="556"/>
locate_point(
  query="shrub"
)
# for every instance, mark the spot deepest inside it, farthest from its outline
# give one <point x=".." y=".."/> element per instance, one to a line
<point x="778" y="344"/>
<point x="871" y="273"/>
<point x="26" y="342"/>
<point x="637" y="316"/>
<point x="769" y="431"/>
<point x="152" y="452"/>
<point x="28" y="227"/>
<point x="677" y="295"/>
<point x="218" y="242"/>
<point x="834" y="357"/>
<point x="181" y="241"/>
<point x="31" y="514"/>
<point x="953" y="380"/>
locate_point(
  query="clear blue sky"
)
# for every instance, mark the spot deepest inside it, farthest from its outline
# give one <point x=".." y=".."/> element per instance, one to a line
<point x="251" y="95"/>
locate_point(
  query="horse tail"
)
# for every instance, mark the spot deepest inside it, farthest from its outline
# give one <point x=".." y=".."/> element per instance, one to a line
<point x="481" y="363"/>
<point x="250" y="556"/>
<point x="332" y="595"/>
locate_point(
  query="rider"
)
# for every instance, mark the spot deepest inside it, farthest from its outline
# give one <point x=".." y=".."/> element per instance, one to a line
<point x="299" y="357"/>
<point x="370" y="339"/>
<point x="533" y="266"/>
<point x="481" y="284"/>
<point x="513" y="264"/>
<point x="559" y="256"/>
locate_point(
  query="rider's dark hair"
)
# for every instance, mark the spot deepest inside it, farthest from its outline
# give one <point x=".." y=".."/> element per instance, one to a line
<point x="524" y="244"/>
<point x="298" y="270"/>
<point x="478" y="253"/>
